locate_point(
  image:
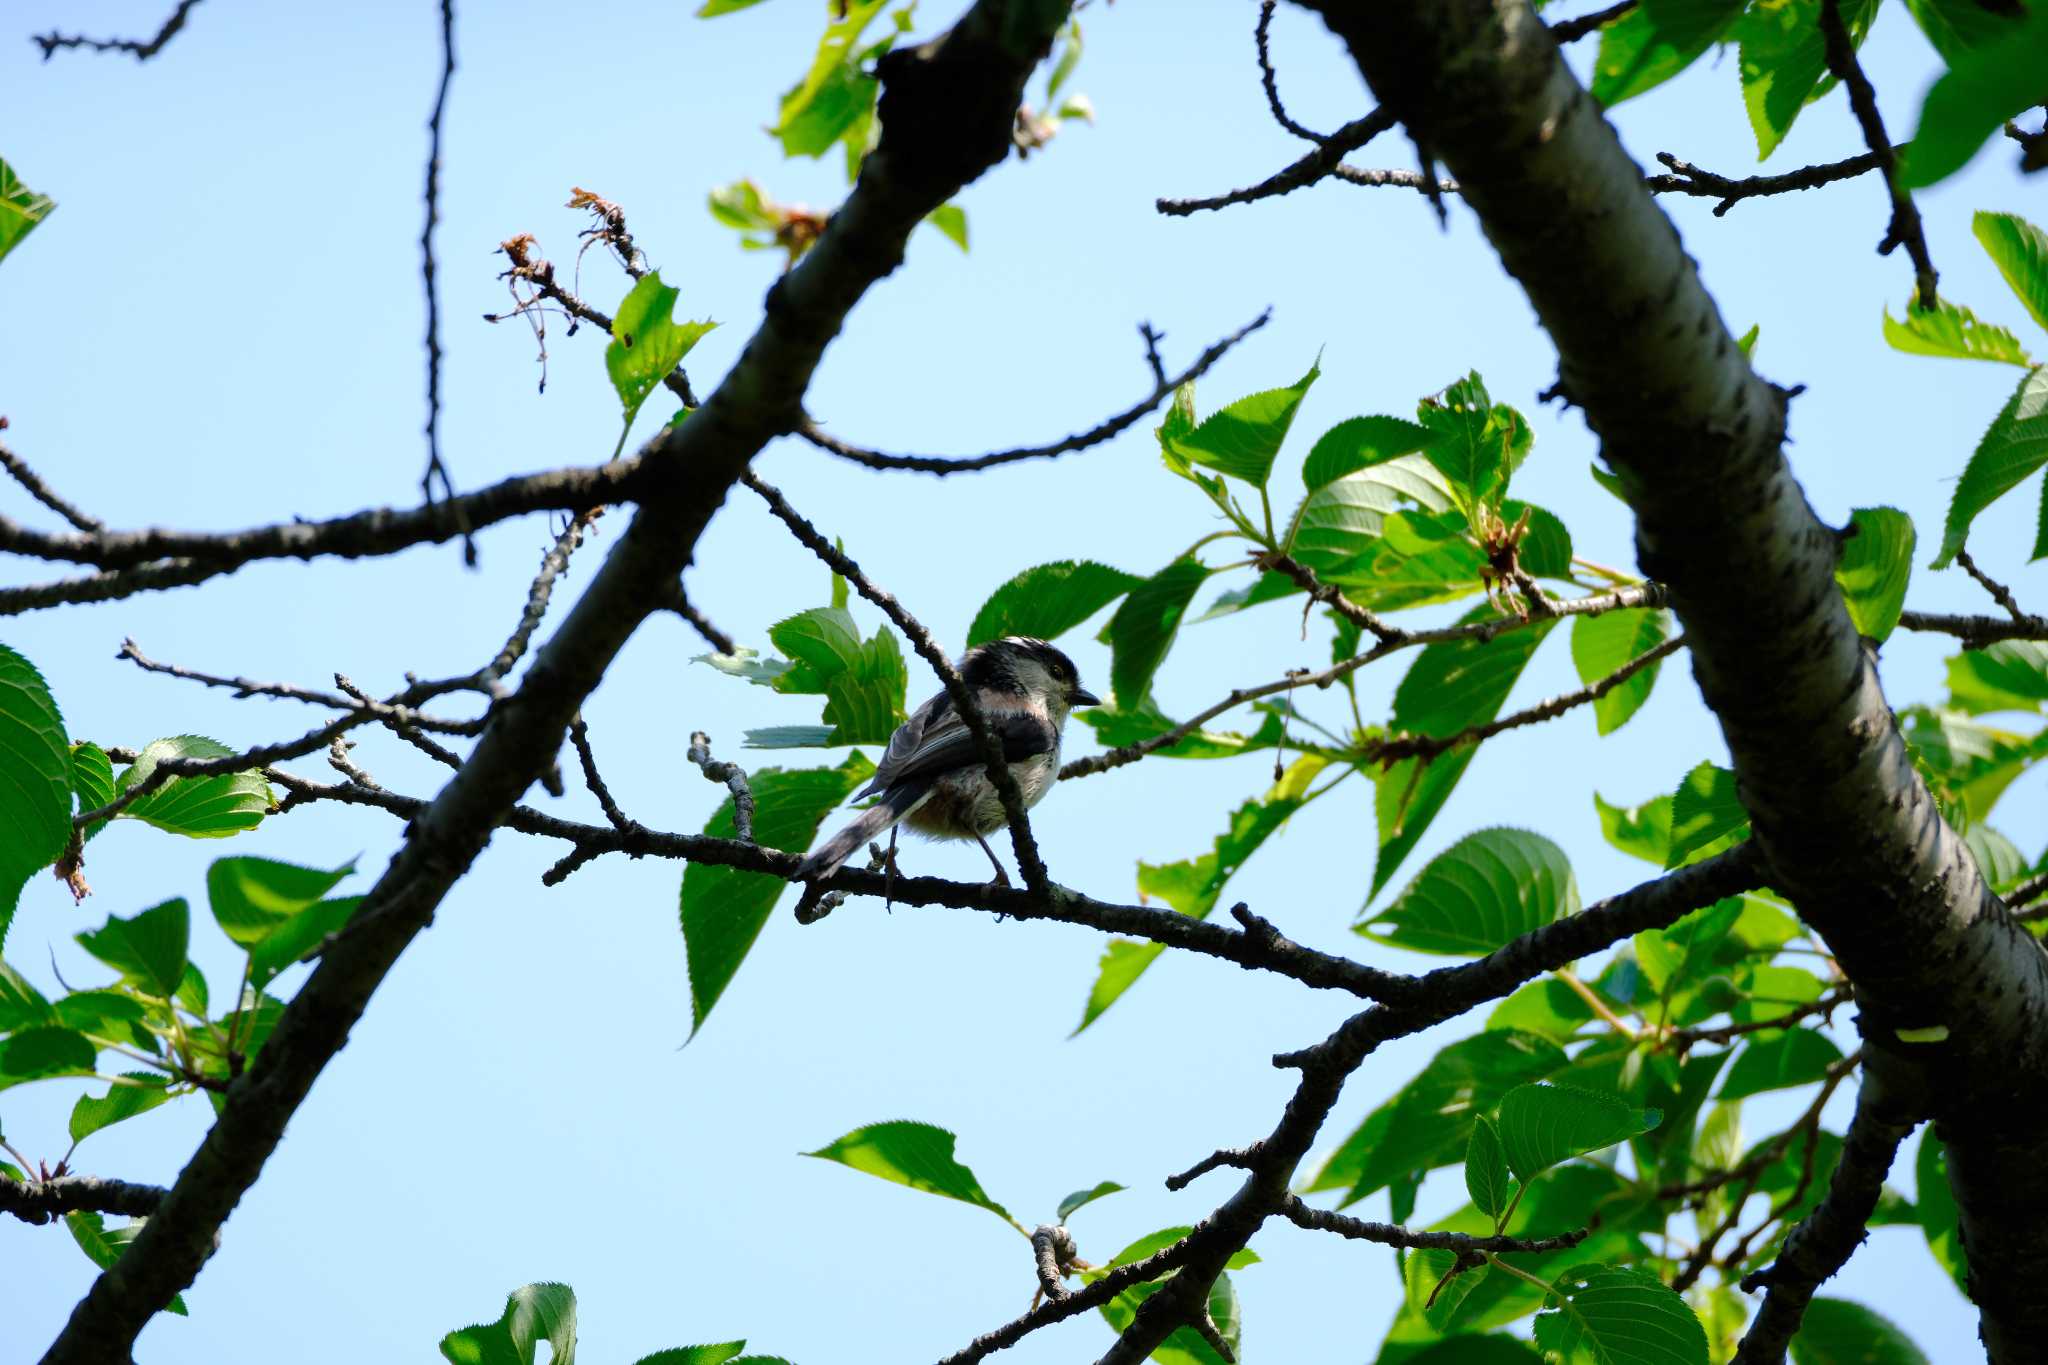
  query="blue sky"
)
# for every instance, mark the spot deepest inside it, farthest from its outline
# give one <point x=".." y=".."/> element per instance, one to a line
<point x="220" y="326"/>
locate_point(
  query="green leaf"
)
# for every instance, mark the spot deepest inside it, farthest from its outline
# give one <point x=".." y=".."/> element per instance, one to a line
<point x="1620" y="1315"/>
<point x="1956" y="27"/>
<point x="1243" y="439"/>
<point x="1838" y="1332"/>
<point x="1707" y="816"/>
<point x="2009" y="676"/>
<point x="103" y="1245"/>
<point x="1360" y="443"/>
<point x="1183" y="1347"/>
<point x="711" y="9"/>
<point x="2020" y="250"/>
<point x="94" y="1112"/>
<point x="951" y="220"/>
<point x="1784" y="60"/>
<point x="1449" y="687"/>
<point x="1952" y="331"/>
<point x="1428" y="1123"/>
<point x="1797" y="1056"/>
<point x="1875" y="565"/>
<point x="148" y="949"/>
<point x="21" y="1005"/>
<point x="919" y="1155"/>
<point x="1545" y="1006"/>
<point x="1342" y="520"/>
<point x="1468" y="1349"/>
<point x="1114" y="728"/>
<point x="1604" y="643"/>
<point x="92" y="781"/>
<point x="747" y="664"/>
<point x="1192" y="886"/>
<point x="1486" y="1171"/>
<point x="1541" y="1125"/>
<point x="1656" y="41"/>
<point x="35" y="765"/>
<point x="715" y="1354"/>
<point x="723" y="908"/>
<point x="1482" y="892"/>
<point x="835" y="95"/>
<point x="1143" y="628"/>
<point x="251" y="897"/>
<point x="1049" y="600"/>
<point x="822" y="643"/>
<point x="1474" y="442"/>
<point x="2015" y="446"/>
<point x="197" y="807"/>
<point x="864" y="703"/>
<point x="20" y="209"/>
<point x="1082" y="1197"/>
<point x="1939" y="1217"/>
<point x="537" y="1313"/>
<point x="298" y="938"/>
<point x="647" y="342"/>
<point x="1438" y="1299"/>
<point x="1641" y="831"/>
<point x="36" y="1054"/>
<point x="1981" y="89"/>
<point x="791" y="737"/>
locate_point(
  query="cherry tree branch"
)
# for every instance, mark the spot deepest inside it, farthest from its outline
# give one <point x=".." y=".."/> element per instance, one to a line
<point x="141" y="49"/>
<point x="39" y="1201"/>
<point x="1840" y="50"/>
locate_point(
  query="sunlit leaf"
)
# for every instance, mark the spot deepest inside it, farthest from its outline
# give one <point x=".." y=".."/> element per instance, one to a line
<point x="1951" y="330"/>
<point x="1603" y="644"/>
<point x="35" y="775"/>
<point x="1543" y="1124"/>
<point x="919" y="1155"/>
<point x="1049" y="600"/>
<point x="1981" y="89"/>
<point x="1489" y="888"/>
<point x="535" y="1314"/>
<point x="21" y="208"/>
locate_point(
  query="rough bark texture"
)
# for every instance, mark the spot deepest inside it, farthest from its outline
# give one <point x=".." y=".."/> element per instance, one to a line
<point x="1696" y="437"/>
<point x="928" y="150"/>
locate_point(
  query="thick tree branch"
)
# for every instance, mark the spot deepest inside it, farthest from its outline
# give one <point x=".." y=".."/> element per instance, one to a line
<point x="946" y="111"/>
<point x="959" y="464"/>
<point x="38" y="1201"/>
<point x="1823" y="1243"/>
<point x="1854" y="838"/>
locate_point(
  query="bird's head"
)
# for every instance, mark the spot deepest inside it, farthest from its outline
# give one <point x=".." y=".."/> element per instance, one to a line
<point x="1025" y="667"/>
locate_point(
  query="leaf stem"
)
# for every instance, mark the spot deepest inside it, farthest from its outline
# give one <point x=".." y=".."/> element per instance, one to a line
<point x="1594" y="1002"/>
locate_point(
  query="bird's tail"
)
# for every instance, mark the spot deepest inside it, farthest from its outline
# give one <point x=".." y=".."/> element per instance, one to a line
<point x="894" y="804"/>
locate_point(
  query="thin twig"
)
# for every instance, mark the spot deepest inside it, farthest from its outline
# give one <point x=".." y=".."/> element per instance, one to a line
<point x="19" y="471"/>
<point x="1571" y="30"/>
<point x="1390" y="1234"/>
<point x="579" y="735"/>
<point x="1315" y="166"/>
<point x="735" y="779"/>
<point x="142" y="50"/>
<point x="397" y="711"/>
<point x="1905" y="227"/>
<point x="1999" y="592"/>
<point x="1271" y="80"/>
<point x="553" y="564"/>
<point x="1686" y="178"/>
<point x="1976" y="632"/>
<point x="702" y="624"/>
<point x="436" y="468"/>
<point x="948" y="464"/>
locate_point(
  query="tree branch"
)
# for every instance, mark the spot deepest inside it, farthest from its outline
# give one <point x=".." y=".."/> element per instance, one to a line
<point x="38" y="1201"/>
<point x="1905" y="227"/>
<point x="1094" y="436"/>
<point x="735" y="779"/>
<point x="1390" y="1234"/>
<point x="142" y="50"/>
<point x="18" y="470"/>
<point x="1271" y="80"/>
<point x="946" y="111"/>
<point x="436" y="468"/>
<point x="1976" y="632"/>
<point x="1686" y="178"/>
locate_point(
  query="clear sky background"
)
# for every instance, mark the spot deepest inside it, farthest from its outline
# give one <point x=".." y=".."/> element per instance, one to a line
<point x="220" y="326"/>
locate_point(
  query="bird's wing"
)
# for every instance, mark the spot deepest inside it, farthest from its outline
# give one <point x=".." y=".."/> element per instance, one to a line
<point x="935" y="741"/>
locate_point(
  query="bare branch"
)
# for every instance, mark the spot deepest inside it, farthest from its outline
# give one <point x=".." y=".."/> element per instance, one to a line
<point x="18" y="470"/>
<point x="142" y="50"/>
<point x="964" y="701"/>
<point x="1052" y="1251"/>
<point x="1317" y="165"/>
<point x="735" y="779"/>
<point x="1999" y="592"/>
<point x="1094" y="436"/>
<point x="1571" y="30"/>
<point x="1686" y="178"/>
<point x="1976" y="632"/>
<point x="540" y="274"/>
<point x="1905" y="227"/>
<point x="1390" y="1234"/>
<point x="395" y="711"/>
<point x="38" y="1201"/>
<point x="681" y="605"/>
<point x="579" y="735"/>
<point x="437" y="469"/>
<point x="1271" y="80"/>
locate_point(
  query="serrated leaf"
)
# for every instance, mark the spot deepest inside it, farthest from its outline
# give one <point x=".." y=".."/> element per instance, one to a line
<point x="747" y="664"/>
<point x="1604" y="643"/>
<point x="1620" y="1315"/>
<point x="197" y="807"/>
<point x="1874" y="568"/>
<point x="1541" y="1125"/>
<point x="919" y="1155"/>
<point x="1641" y="831"/>
<point x="1079" y="1198"/>
<point x="2015" y="445"/>
<point x="1707" y="815"/>
<point x="647" y="342"/>
<point x="1956" y="27"/>
<point x="1360" y="443"/>
<point x="864" y="703"/>
<point x="1981" y="89"/>
<point x="1342" y="520"/>
<point x="35" y="769"/>
<point x="92" y="779"/>
<point x="1486" y="1170"/>
<point x="1784" y="61"/>
<point x="1049" y="600"/>
<point x="1656" y="41"/>
<point x="1192" y="886"/>
<point x="20" y="209"/>
<point x="251" y="897"/>
<point x="1428" y="1123"/>
<point x="1243" y="438"/>
<point x="835" y="94"/>
<point x="1115" y="728"/>
<point x="1449" y="687"/>
<point x="2020" y="251"/>
<point x="723" y="908"/>
<point x="717" y="1353"/>
<point x="1952" y="331"/>
<point x="2009" y="676"/>
<point x="36" y="1054"/>
<point x="1797" y="1056"/>
<point x="1474" y="442"/>
<point x="147" y="949"/>
<point x="1142" y="631"/>
<point x="103" y="1245"/>
<point x="537" y="1313"/>
<point x="1838" y="1332"/>
<point x="1482" y="892"/>
<point x="93" y="1112"/>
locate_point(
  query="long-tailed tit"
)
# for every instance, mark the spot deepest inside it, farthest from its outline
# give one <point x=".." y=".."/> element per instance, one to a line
<point x="933" y="777"/>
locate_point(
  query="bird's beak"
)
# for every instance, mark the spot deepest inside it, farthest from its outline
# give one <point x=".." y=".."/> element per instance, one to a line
<point x="1083" y="697"/>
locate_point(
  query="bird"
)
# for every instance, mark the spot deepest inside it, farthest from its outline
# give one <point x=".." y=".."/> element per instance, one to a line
<point x="933" y="777"/>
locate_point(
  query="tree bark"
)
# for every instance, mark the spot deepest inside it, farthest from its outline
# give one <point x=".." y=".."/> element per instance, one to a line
<point x="1695" y="435"/>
